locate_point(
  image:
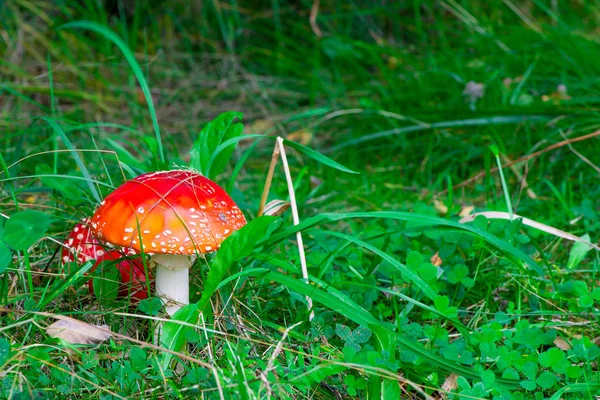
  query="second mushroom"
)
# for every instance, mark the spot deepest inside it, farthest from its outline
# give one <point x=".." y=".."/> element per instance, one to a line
<point x="172" y="215"/>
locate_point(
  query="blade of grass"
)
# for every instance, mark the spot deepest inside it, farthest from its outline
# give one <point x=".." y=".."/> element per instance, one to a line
<point x="133" y="64"/>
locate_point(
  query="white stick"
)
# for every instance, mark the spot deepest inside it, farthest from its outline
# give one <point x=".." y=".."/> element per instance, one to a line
<point x="296" y="219"/>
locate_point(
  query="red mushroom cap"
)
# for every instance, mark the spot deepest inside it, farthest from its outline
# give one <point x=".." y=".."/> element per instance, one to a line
<point x="81" y="246"/>
<point x="177" y="212"/>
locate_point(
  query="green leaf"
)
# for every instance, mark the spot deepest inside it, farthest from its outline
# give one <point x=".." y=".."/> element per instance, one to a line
<point x="349" y="352"/>
<point x="5" y="257"/>
<point x="343" y="331"/>
<point x="25" y="228"/>
<point x="207" y="155"/>
<point x="528" y="385"/>
<point x="361" y="334"/>
<point x="441" y="303"/>
<point x="428" y="272"/>
<point x="552" y="358"/>
<point x="578" y="252"/>
<point x="573" y="371"/>
<point x="150" y="306"/>
<point x="414" y="259"/>
<point x="488" y="378"/>
<point x="137" y="356"/>
<point x="105" y="281"/>
<point x="237" y="246"/>
<point x="174" y="335"/>
<point x="546" y="380"/>
<point x="4" y="350"/>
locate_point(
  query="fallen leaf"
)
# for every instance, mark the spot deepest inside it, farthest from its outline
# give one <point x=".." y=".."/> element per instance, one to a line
<point x="436" y="260"/>
<point x="465" y="211"/>
<point x="276" y="207"/>
<point x="440" y="207"/>
<point x="77" y="332"/>
<point x="449" y="384"/>
<point x="562" y="343"/>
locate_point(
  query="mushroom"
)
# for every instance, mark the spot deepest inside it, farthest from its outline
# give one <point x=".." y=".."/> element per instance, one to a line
<point x="81" y="246"/>
<point x="172" y="215"/>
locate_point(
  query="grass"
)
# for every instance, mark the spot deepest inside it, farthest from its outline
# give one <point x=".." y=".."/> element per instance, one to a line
<point x="409" y="303"/>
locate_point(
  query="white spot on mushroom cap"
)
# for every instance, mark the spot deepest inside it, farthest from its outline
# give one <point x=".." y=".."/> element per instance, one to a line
<point x="80" y="236"/>
<point x="141" y="210"/>
<point x="128" y="230"/>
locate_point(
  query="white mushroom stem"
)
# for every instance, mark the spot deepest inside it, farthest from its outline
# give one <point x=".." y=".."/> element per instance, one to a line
<point x="172" y="280"/>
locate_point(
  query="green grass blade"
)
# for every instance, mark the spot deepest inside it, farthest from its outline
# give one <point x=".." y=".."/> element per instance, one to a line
<point x="133" y="64"/>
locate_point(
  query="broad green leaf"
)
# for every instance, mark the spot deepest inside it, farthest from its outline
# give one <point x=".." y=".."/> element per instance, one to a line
<point x="5" y="257"/>
<point x="25" y="228"/>
<point x="133" y="64"/>
<point x="174" y="335"/>
<point x="207" y="155"/>
<point x="237" y="246"/>
<point x="578" y="252"/>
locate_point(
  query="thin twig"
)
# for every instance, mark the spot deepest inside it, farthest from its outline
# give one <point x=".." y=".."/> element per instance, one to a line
<point x="528" y="157"/>
<point x="314" y="11"/>
<point x="296" y="218"/>
<point x="581" y="156"/>
<point x="265" y="193"/>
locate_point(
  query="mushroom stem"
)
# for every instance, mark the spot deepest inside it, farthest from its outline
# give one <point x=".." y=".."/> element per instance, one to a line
<point x="172" y="280"/>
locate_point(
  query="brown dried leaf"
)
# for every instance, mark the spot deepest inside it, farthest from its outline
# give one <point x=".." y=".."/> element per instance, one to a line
<point x="562" y="343"/>
<point x="449" y="384"/>
<point x="436" y="260"/>
<point x="440" y="207"/>
<point x="465" y="211"/>
<point x="77" y="332"/>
